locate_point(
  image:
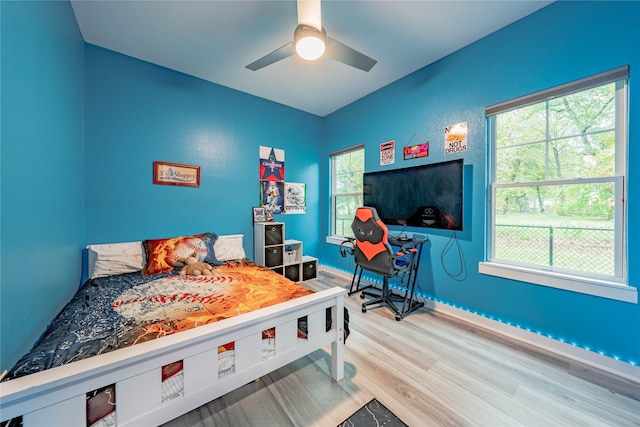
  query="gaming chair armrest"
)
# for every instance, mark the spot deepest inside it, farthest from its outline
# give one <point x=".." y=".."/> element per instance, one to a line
<point x="347" y="246"/>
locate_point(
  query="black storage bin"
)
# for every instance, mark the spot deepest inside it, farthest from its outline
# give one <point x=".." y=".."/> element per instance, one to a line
<point x="310" y="270"/>
<point x="292" y="272"/>
<point x="273" y="235"/>
<point x="273" y="256"/>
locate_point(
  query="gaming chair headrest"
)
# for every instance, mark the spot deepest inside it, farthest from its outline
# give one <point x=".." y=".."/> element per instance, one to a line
<point x="370" y="232"/>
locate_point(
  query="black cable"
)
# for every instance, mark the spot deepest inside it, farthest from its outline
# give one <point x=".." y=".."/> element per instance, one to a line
<point x="453" y="239"/>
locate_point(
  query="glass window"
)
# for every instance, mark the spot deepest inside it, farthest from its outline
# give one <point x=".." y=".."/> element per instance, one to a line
<point x="347" y="167"/>
<point x="558" y="169"/>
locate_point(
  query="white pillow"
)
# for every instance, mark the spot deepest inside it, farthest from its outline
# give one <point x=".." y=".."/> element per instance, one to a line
<point x="115" y="258"/>
<point x="229" y="247"/>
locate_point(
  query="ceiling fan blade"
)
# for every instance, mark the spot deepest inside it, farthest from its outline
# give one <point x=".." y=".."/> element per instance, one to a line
<point x="310" y="13"/>
<point x="275" y="56"/>
<point x="348" y="55"/>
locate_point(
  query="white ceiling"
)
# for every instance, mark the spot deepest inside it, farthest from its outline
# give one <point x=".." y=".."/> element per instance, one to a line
<point x="214" y="40"/>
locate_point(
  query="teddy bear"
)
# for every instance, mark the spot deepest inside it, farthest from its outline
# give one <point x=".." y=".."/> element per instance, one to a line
<point x="193" y="267"/>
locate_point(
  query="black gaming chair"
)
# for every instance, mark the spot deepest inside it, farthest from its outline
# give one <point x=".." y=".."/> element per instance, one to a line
<point x="372" y="252"/>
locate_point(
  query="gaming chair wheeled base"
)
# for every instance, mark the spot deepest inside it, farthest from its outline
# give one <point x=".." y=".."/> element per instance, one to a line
<point x="389" y="299"/>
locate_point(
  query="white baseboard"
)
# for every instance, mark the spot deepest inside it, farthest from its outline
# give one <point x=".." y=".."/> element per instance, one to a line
<point x="590" y="358"/>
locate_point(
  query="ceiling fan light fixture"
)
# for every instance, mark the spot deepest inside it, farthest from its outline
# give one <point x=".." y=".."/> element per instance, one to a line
<point x="310" y="43"/>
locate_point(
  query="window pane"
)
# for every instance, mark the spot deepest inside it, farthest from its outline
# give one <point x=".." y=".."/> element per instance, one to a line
<point x="589" y="111"/>
<point x="347" y="170"/>
<point x="561" y="226"/>
<point x="527" y="124"/>
<point x="584" y="156"/>
<point x="348" y="182"/>
<point x="345" y="210"/>
<point x="582" y="133"/>
<point x="521" y="163"/>
<point x="581" y="138"/>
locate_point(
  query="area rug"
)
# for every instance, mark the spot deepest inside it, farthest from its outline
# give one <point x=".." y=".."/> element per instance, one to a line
<point x="373" y="413"/>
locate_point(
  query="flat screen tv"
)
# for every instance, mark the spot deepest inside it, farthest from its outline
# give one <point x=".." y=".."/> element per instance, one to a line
<point x="420" y="196"/>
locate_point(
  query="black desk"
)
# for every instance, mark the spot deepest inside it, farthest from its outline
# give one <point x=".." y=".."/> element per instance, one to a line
<point x="405" y="241"/>
<point x="409" y="302"/>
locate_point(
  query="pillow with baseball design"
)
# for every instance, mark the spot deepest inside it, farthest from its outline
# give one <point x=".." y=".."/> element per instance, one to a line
<point x="164" y="255"/>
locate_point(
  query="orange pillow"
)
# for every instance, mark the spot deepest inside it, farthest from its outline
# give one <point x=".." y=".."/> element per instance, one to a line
<point x="164" y="255"/>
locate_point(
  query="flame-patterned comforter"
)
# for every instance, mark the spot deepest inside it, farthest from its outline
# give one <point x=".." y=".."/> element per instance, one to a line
<point x="118" y="311"/>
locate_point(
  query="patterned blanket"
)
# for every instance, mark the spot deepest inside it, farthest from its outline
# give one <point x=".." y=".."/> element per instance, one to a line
<point x="118" y="311"/>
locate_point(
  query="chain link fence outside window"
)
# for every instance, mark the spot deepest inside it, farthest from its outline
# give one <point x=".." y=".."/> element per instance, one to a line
<point x="585" y="249"/>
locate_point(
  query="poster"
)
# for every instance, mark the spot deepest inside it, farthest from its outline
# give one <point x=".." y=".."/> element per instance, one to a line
<point x="271" y="164"/>
<point x="455" y="138"/>
<point x="416" y="151"/>
<point x="272" y="196"/>
<point x="387" y="153"/>
<point x="295" y="198"/>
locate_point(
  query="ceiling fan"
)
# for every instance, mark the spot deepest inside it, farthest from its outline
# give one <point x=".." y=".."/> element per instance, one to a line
<point x="310" y="34"/>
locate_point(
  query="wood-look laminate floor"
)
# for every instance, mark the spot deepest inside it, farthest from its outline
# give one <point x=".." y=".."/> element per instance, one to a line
<point x="430" y="370"/>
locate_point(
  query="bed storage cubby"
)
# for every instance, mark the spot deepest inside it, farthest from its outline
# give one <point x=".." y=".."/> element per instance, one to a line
<point x="172" y="381"/>
<point x="101" y="405"/>
<point x="284" y="256"/>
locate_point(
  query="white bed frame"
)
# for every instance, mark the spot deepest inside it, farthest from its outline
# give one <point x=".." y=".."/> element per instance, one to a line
<point x="57" y="396"/>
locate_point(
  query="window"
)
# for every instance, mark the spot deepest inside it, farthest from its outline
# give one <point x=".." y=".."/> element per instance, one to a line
<point x="558" y="165"/>
<point x="347" y="167"/>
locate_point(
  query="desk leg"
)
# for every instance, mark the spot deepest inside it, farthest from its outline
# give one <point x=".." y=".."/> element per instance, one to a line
<point x="409" y="304"/>
<point x="356" y="273"/>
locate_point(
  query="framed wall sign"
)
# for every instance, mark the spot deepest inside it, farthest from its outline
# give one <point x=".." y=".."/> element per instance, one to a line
<point x="416" y="151"/>
<point x="176" y="174"/>
<point x="259" y="215"/>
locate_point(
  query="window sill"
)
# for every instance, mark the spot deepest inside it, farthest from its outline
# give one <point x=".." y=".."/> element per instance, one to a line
<point x="599" y="288"/>
<point x="336" y="240"/>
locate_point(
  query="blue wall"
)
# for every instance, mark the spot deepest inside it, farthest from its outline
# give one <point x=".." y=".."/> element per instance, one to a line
<point x="137" y="113"/>
<point x="42" y="169"/>
<point x="81" y="127"/>
<point x="560" y="43"/>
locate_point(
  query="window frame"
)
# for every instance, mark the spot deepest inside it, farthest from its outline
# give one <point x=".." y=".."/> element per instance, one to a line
<point x="617" y="287"/>
<point x="334" y="238"/>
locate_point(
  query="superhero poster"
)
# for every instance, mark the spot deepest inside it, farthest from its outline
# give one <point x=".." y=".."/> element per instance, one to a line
<point x="271" y="164"/>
